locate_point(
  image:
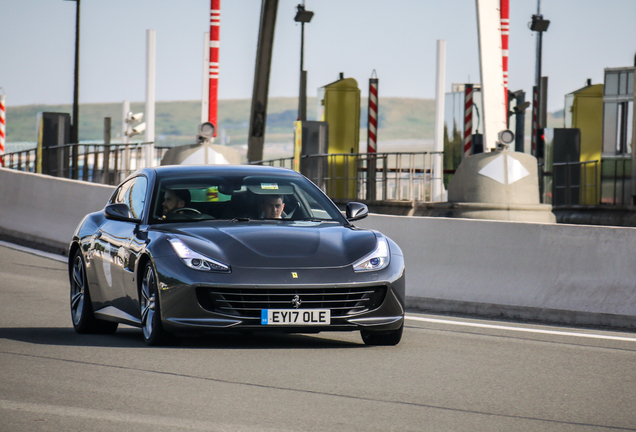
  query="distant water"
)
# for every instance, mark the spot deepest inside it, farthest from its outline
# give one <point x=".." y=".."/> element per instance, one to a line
<point x="23" y="146"/>
<point x="19" y="146"/>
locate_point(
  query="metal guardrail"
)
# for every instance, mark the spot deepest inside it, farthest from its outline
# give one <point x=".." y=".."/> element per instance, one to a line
<point x="368" y="177"/>
<point x="96" y="163"/>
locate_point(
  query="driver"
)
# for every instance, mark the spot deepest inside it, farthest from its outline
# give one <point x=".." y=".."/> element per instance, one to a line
<point x="272" y="206"/>
<point x="175" y="199"/>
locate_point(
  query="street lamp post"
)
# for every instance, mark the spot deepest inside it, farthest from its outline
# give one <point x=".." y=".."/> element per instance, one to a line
<point x="538" y="25"/>
<point x="74" y="138"/>
<point x="302" y="16"/>
<point x="75" y="125"/>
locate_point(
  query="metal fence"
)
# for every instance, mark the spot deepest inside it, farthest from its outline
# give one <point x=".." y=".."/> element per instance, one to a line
<point x="616" y="175"/>
<point x="574" y="183"/>
<point x="369" y="177"/>
<point x="361" y="176"/>
<point x="97" y="163"/>
<point x="581" y="183"/>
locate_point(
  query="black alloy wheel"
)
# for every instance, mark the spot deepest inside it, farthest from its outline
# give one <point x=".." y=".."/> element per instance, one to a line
<point x="153" y="331"/>
<point x="84" y="320"/>
<point x="392" y="337"/>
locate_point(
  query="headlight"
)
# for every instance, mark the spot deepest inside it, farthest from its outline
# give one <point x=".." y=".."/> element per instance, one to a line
<point x="376" y="260"/>
<point x="195" y="260"/>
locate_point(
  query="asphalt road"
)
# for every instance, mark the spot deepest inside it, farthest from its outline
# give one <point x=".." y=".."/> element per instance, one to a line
<point x="447" y="374"/>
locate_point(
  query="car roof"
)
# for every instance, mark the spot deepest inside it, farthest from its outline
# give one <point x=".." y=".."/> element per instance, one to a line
<point x="220" y="170"/>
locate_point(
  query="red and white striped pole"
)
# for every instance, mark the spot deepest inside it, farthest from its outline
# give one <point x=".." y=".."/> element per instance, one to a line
<point x="372" y="136"/>
<point x="505" y="31"/>
<point x="468" y="120"/>
<point x="2" y="126"/>
<point x="215" y="32"/>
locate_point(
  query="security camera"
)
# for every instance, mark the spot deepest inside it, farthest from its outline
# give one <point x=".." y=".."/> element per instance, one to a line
<point x="136" y="130"/>
<point x="139" y="128"/>
<point x="134" y="117"/>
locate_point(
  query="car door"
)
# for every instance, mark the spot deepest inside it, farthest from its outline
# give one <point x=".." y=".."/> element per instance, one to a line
<point x="136" y="236"/>
<point x="115" y="237"/>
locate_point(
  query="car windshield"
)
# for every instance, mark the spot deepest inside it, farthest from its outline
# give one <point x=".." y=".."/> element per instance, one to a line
<point x="241" y="198"/>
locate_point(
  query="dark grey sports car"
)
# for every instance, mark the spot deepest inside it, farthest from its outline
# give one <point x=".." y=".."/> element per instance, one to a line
<point x="181" y="249"/>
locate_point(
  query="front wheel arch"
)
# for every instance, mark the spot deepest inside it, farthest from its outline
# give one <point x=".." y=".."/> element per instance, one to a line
<point x="141" y="267"/>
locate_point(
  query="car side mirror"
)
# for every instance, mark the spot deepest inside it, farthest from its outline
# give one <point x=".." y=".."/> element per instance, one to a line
<point x="120" y="212"/>
<point x="356" y="211"/>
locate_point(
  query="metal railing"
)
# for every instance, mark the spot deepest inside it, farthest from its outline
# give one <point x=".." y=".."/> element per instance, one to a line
<point x="574" y="183"/>
<point x="368" y="177"/>
<point x="616" y="174"/>
<point x="97" y="163"/>
<point x="23" y="160"/>
<point x="361" y="176"/>
<point x="581" y="183"/>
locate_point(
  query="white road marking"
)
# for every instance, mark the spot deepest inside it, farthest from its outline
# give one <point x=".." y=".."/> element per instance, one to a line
<point x="519" y="329"/>
<point x="34" y="251"/>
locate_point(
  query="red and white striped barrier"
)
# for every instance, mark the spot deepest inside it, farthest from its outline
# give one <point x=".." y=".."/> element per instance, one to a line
<point x="215" y="31"/>
<point x="468" y="120"/>
<point x="505" y="31"/>
<point x="2" y="127"/>
<point x="372" y="143"/>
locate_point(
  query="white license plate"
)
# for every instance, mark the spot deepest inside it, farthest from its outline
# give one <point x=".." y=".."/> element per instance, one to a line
<point x="295" y="316"/>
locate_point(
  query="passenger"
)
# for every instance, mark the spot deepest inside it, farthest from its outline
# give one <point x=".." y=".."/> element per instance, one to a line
<point x="175" y="199"/>
<point x="272" y="206"/>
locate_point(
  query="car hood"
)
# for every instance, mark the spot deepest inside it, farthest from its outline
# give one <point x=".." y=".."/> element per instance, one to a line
<point x="277" y="244"/>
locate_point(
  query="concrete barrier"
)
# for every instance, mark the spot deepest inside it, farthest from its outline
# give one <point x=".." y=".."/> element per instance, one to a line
<point x="572" y="274"/>
<point x="569" y="274"/>
<point x="43" y="211"/>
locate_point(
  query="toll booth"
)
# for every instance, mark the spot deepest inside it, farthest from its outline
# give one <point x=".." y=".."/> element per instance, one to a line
<point x="54" y="129"/>
<point x="564" y="184"/>
<point x="583" y="111"/>
<point x="311" y="138"/>
<point x="339" y="106"/>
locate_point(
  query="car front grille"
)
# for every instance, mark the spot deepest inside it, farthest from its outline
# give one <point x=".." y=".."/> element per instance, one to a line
<point x="248" y="302"/>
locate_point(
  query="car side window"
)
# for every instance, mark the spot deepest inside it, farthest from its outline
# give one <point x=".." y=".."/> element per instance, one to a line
<point x="137" y="196"/>
<point x="120" y="195"/>
<point x="133" y="194"/>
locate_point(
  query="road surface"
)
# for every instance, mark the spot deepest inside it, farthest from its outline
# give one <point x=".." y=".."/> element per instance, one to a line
<point x="447" y="374"/>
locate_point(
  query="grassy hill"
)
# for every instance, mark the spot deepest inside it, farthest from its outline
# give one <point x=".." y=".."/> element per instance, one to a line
<point x="177" y="122"/>
<point x="408" y="121"/>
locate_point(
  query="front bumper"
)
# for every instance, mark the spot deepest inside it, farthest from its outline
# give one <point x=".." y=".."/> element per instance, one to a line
<point x="184" y="309"/>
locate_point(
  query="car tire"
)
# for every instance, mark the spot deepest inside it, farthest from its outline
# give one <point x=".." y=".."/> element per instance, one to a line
<point x="153" y="331"/>
<point x="84" y="321"/>
<point x="385" y="338"/>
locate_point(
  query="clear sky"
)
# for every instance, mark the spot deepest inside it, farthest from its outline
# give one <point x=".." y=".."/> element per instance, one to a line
<point x="397" y="38"/>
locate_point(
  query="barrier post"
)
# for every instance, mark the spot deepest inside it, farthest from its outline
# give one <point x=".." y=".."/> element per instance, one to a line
<point x="468" y="120"/>
<point x="2" y="126"/>
<point x="372" y="144"/>
<point x="504" y="11"/>
<point x="213" y="89"/>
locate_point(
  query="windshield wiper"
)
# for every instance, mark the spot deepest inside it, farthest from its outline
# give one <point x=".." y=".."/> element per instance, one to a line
<point x="240" y="219"/>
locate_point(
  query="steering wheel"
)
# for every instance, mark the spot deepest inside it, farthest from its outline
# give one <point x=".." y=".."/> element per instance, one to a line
<point x="187" y="209"/>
